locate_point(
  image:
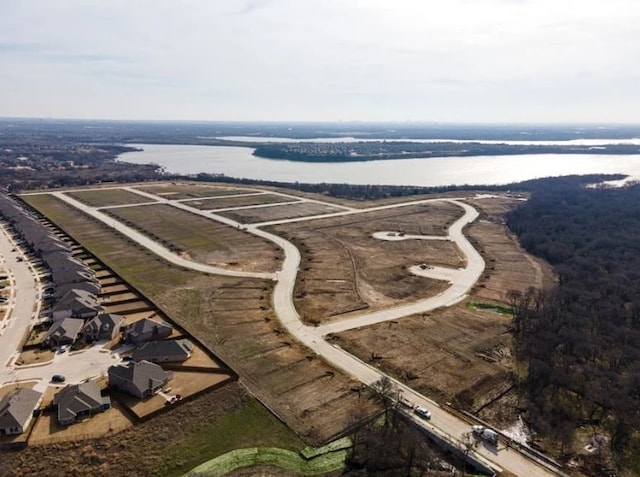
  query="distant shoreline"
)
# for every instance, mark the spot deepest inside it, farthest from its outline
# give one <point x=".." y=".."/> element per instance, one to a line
<point x="382" y="150"/>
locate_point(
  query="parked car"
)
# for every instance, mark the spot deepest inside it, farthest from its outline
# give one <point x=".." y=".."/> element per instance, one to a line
<point x="63" y="349"/>
<point x="422" y="412"/>
<point x="58" y="378"/>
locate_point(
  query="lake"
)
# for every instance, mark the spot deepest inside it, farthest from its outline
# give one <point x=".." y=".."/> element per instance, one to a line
<point x="482" y="170"/>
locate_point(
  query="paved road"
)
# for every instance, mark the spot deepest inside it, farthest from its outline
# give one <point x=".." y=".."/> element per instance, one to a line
<point x="154" y="246"/>
<point x="442" y="422"/>
<point x="24" y="305"/>
<point x="462" y="280"/>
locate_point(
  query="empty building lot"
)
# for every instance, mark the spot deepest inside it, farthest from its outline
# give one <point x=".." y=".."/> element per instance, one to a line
<point x="241" y="200"/>
<point x="279" y="212"/>
<point x="108" y="197"/>
<point x="200" y="239"/>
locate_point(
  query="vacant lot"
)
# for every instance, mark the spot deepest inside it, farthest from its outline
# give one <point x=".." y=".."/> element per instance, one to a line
<point x="344" y="268"/>
<point x="510" y="266"/>
<point x="185" y="190"/>
<point x="239" y="201"/>
<point x="458" y="354"/>
<point x="232" y="316"/>
<point x="105" y="197"/>
<point x="201" y="239"/>
<point x="280" y="212"/>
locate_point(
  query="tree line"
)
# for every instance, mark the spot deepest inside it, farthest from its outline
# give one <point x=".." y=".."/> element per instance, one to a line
<point x="581" y="340"/>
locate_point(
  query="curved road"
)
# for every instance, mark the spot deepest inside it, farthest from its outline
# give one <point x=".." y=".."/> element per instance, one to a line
<point x="462" y="280"/>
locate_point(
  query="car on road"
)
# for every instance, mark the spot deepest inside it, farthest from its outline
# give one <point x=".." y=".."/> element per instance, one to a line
<point x="422" y="412"/>
<point x="58" y="378"/>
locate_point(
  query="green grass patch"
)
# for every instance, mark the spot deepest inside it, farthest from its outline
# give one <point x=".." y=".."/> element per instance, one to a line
<point x="250" y="425"/>
<point x="323" y="460"/>
<point x="490" y="307"/>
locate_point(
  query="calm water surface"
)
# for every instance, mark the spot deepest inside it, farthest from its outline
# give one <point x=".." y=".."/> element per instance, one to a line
<point x="238" y="162"/>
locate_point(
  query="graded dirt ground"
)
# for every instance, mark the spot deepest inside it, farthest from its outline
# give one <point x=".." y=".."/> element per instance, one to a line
<point x="106" y="197"/>
<point x="345" y="269"/>
<point x="278" y="212"/>
<point x="200" y="239"/>
<point x="180" y="191"/>
<point x="233" y="317"/>
<point x="239" y="201"/>
<point x="458" y="354"/>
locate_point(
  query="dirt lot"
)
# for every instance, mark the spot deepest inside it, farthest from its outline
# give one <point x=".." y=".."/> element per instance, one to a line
<point x="280" y="212"/>
<point x="104" y="197"/>
<point x="509" y="267"/>
<point x="233" y="317"/>
<point x="190" y="190"/>
<point x="240" y="201"/>
<point x="35" y="356"/>
<point x="459" y="354"/>
<point x="345" y="269"/>
<point x="201" y="239"/>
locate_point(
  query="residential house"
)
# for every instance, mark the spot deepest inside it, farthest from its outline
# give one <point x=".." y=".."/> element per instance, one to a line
<point x="147" y="330"/>
<point x="105" y="326"/>
<point x="76" y="401"/>
<point x="16" y="410"/>
<point x="166" y="351"/>
<point x="62" y="289"/>
<point x="76" y="303"/>
<point x="63" y="332"/>
<point x="140" y="379"/>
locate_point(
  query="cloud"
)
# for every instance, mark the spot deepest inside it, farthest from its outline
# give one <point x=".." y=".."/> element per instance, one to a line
<point x="454" y="60"/>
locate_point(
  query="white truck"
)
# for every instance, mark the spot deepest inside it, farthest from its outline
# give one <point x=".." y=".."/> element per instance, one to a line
<point x="486" y="434"/>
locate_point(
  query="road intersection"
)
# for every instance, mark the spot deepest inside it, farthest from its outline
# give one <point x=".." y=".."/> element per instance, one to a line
<point x="444" y="423"/>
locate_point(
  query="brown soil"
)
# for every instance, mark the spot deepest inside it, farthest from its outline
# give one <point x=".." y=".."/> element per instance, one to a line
<point x="242" y="201"/>
<point x="204" y="240"/>
<point x="105" y="197"/>
<point x="344" y="269"/>
<point x="459" y="354"/>
<point x="279" y="212"/>
<point x="189" y="190"/>
<point x="233" y="317"/>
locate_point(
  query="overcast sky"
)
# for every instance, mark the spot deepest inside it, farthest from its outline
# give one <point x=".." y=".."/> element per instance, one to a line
<point x="329" y="60"/>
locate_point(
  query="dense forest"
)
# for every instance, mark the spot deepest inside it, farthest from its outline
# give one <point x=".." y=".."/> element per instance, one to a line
<point x="581" y="340"/>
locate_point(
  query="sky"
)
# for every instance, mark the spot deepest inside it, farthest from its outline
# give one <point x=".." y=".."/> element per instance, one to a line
<point x="322" y="60"/>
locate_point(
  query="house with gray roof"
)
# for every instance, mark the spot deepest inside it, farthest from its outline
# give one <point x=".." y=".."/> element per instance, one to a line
<point x="163" y="351"/>
<point x="147" y="330"/>
<point x="16" y="410"/>
<point x="77" y="401"/>
<point x="105" y="326"/>
<point x="77" y="304"/>
<point x="140" y="379"/>
<point x="88" y="286"/>
<point x="63" y="332"/>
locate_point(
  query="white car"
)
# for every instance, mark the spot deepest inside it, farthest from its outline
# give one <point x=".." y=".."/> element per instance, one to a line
<point x="422" y="412"/>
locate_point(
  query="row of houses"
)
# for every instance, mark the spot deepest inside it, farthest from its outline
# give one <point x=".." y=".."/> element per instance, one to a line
<point x="74" y="285"/>
<point x="104" y="326"/>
